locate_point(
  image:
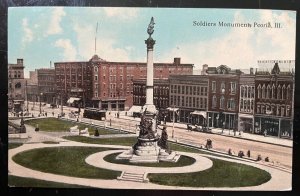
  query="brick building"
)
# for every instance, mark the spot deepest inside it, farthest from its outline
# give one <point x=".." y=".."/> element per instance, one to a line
<point x="247" y="102"/>
<point x="73" y="82"/>
<point x="274" y="104"/>
<point x="112" y="81"/>
<point x="160" y="93"/>
<point x="46" y="85"/>
<point x="16" y="86"/>
<point x="223" y="96"/>
<point x="188" y="96"/>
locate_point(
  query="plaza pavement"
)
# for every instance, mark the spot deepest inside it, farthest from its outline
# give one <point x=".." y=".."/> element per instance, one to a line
<point x="281" y="180"/>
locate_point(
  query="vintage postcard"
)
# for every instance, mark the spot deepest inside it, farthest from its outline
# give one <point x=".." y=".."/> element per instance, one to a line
<point x="151" y="98"/>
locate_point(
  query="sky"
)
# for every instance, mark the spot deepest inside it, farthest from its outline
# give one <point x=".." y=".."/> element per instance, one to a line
<point x="59" y="34"/>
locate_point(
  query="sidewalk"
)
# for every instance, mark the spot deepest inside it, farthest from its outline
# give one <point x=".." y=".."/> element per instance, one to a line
<point x="229" y="133"/>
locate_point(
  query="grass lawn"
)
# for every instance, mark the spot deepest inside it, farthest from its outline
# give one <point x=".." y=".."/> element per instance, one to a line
<point x="15" y="181"/>
<point x="183" y="161"/>
<point x="14" y="145"/>
<point x="221" y="174"/>
<point x="55" y="124"/>
<point x="67" y="161"/>
<point x="125" y="141"/>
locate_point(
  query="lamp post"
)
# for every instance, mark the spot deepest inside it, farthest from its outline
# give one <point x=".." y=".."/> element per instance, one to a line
<point x="173" y="122"/>
<point x="41" y="94"/>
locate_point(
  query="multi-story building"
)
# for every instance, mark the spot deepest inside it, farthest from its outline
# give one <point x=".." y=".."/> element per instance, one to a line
<point x="223" y="93"/>
<point x="274" y="93"/>
<point x="73" y="82"/>
<point x="16" y="86"/>
<point x="246" y="102"/>
<point x="188" y="96"/>
<point x="160" y="93"/>
<point x="112" y="81"/>
<point x="46" y="84"/>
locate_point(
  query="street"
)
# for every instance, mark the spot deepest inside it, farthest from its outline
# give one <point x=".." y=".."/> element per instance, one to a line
<point x="279" y="154"/>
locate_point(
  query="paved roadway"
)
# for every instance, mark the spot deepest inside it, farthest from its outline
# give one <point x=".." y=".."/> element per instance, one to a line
<point x="279" y="154"/>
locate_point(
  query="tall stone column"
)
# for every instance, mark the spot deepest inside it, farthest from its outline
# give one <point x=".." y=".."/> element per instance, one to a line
<point x="149" y="83"/>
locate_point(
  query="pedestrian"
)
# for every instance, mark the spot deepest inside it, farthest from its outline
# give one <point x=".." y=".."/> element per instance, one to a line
<point x="46" y="114"/>
<point x="208" y="144"/>
<point x="223" y="126"/>
<point x="267" y="159"/>
<point x="229" y="151"/>
<point x="96" y="132"/>
<point x="52" y="113"/>
<point x="265" y="133"/>
<point x="258" y="157"/>
<point x="248" y="153"/>
<point x="241" y="154"/>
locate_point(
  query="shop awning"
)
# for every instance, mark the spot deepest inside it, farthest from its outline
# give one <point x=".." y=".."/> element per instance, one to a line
<point x="172" y="109"/>
<point x="199" y="113"/>
<point x="72" y="99"/>
<point x="245" y="115"/>
<point x="135" y="108"/>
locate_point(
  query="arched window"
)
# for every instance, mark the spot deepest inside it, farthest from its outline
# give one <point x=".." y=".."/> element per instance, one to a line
<point x="214" y="101"/>
<point x="283" y="92"/>
<point x="258" y="92"/>
<point x="242" y="91"/>
<point x="279" y="92"/>
<point x="273" y="91"/>
<point x="263" y="92"/>
<point x="288" y="91"/>
<point x="222" y="100"/>
<point x="268" y="92"/>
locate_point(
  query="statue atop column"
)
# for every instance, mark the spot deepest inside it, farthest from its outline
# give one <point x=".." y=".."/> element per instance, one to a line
<point x="150" y="28"/>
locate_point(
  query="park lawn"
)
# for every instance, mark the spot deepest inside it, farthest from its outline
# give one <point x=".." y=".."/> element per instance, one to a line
<point x="69" y="161"/>
<point x="54" y="124"/>
<point x="14" y="145"/>
<point x="124" y="141"/>
<point x="221" y="174"/>
<point x="129" y="141"/>
<point x="16" y="181"/>
<point x="183" y="161"/>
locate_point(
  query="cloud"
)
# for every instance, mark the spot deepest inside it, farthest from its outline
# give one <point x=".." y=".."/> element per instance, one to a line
<point x="240" y="47"/>
<point x="54" y="25"/>
<point x="121" y="13"/>
<point x="106" y="46"/>
<point x="69" y="51"/>
<point x="28" y="34"/>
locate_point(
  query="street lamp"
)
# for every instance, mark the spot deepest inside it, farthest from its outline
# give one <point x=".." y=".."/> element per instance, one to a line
<point x="41" y="94"/>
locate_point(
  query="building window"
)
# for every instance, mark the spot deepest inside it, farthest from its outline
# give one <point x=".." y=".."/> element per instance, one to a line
<point x="263" y="92"/>
<point x="95" y="69"/>
<point x="242" y="105"/>
<point x="287" y="110"/>
<point x="273" y="92"/>
<point x="242" y="91"/>
<point x="283" y="92"/>
<point x="258" y="109"/>
<point x="222" y="89"/>
<point x="288" y="91"/>
<point x="214" y="101"/>
<point x="268" y="92"/>
<point x="233" y="87"/>
<point x="96" y="94"/>
<point x="222" y="100"/>
<point x="282" y="111"/>
<point x="96" y="78"/>
<point x="231" y="104"/>
<point x="258" y="92"/>
<point x="279" y="92"/>
<point x="213" y="86"/>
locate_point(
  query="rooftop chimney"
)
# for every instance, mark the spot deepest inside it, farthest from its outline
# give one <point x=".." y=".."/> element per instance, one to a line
<point x="177" y="61"/>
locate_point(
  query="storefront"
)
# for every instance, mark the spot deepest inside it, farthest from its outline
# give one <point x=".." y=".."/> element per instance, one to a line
<point x="278" y="127"/>
<point x="246" y="123"/>
<point x="222" y="119"/>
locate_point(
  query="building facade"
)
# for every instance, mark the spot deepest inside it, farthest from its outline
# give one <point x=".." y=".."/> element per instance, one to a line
<point x="46" y="85"/>
<point x="246" y="102"/>
<point x="73" y="83"/>
<point x="160" y="93"/>
<point x="274" y="104"/>
<point x="188" y="94"/>
<point x="16" y="86"/>
<point x="113" y="81"/>
<point x="223" y="93"/>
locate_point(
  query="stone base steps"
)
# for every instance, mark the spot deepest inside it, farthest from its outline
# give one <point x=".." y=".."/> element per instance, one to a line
<point x="144" y="159"/>
<point x="135" y="177"/>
